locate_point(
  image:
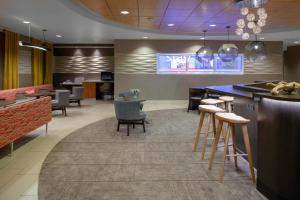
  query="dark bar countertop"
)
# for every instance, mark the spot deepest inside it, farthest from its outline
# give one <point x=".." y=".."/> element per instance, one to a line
<point x="249" y="91"/>
<point x="274" y="135"/>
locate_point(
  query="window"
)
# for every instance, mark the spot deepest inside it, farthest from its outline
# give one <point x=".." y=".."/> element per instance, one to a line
<point x="187" y="64"/>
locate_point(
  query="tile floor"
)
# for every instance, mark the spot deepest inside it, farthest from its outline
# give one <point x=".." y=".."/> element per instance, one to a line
<point x="19" y="174"/>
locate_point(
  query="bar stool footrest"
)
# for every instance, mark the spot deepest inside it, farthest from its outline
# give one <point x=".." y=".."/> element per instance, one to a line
<point x="235" y="155"/>
<point x="224" y="145"/>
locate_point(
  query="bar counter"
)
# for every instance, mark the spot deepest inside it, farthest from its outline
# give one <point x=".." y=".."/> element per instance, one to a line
<point x="274" y="135"/>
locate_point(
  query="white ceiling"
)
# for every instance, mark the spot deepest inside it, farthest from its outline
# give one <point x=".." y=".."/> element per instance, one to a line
<point x="78" y="25"/>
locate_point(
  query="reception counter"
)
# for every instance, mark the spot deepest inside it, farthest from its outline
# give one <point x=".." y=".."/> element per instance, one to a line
<point x="98" y="89"/>
<point x="274" y="133"/>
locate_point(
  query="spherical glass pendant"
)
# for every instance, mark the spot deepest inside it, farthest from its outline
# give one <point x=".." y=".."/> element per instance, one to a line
<point x="261" y="11"/>
<point x="228" y="52"/>
<point x="245" y="36"/>
<point x="251" y="25"/>
<point x="205" y="54"/>
<point x="263" y="16"/>
<point x="261" y="22"/>
<point x="251" y="17"/>
<point x="239" y="31"/>
<point x="240" y="23"/>
<point x="255" y="51"/>
<point x="257" y="30"/>
<point x="244" y="11"/>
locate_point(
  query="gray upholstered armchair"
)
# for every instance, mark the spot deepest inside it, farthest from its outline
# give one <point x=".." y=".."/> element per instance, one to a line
<point x="77" y="95"/>
<point x="128" y="112"/>
<point x="131" y="94"/>
<point x="61" y="101"/>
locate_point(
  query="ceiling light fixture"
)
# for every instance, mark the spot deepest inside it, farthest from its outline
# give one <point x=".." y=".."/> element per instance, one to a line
<point x="145" y="37"/>
<point x="124" y="12"/>
<point x="228" y="52"/>
<point x="26" y="22"/>
<point x="58" y="36"/>
<point x="29" y="44"/>
<point x="171" y="25"/>
<point x="212" y="25"/>
<point x="205" y="54"/>
<point x="255" y="51"/>
<point x="254" y="21"/>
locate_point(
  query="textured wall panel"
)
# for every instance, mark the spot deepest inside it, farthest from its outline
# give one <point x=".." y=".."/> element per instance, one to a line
<point x="83" y="64"/>
<point x="139" y="56"/>
<point x="135" y="67"/>
<point x="146" y="64"/>
<point x="136" y="63"/>
<point x="25" y="61"/>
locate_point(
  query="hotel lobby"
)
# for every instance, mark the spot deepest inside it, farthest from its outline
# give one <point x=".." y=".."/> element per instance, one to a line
<point x="149" y="99"/>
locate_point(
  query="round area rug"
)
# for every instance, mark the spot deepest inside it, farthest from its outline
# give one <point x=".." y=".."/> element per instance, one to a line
<point x="98" y="163"/>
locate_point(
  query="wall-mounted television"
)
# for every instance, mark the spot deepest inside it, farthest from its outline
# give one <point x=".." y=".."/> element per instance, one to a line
<point x="188" y="64"/>
<point x="107" y="76"/>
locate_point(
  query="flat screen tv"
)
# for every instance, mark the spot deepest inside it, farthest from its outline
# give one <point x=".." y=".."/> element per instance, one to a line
<point x="107" y="76"/>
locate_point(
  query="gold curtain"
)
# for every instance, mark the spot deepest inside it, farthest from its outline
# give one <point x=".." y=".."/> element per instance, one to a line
<point x="49" y="65"/>
<point x="11" y="60"/>
<point x="37" y="64"/>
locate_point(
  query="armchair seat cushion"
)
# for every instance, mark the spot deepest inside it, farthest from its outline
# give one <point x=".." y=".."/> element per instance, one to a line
<point x="143" y="115"/>
<point x="54" y="103"/>
<point x="72" y="96"/>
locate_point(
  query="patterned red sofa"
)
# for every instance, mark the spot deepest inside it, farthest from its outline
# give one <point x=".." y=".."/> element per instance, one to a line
<point x="11" y="93"/>
<point x="20" y="119"/>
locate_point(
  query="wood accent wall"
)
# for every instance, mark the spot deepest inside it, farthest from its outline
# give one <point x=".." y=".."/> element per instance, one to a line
<point x="292" y="64"/>
<point x="89" y="89"/>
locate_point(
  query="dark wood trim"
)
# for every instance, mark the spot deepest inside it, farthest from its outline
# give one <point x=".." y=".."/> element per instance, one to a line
<point x="60" y="51"/>
<point x="83" y="45"/>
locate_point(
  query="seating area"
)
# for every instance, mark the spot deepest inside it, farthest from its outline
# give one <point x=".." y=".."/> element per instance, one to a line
<point x="149" y="99"/>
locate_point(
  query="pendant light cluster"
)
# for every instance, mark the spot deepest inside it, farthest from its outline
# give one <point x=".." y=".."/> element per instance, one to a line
<point x="254" y="18"/>
<point x="29" y="44"/>
<point x="227" y="52"/>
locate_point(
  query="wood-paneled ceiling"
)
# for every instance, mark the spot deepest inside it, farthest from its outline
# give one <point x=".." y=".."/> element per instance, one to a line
<point x="193" y="16"/>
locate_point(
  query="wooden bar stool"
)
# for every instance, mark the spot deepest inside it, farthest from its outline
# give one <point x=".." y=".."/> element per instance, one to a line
<point x="232" y="119"/>
<point x="228" y="102"/>
<point x="215" y="102"/>
<point x="210" y="110"/>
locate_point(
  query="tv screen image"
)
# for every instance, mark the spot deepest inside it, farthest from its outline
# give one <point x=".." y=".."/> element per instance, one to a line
<point x="188" y="64"/>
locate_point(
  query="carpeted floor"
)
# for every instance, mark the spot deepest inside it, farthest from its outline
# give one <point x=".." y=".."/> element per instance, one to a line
<point x="97" y="163"/>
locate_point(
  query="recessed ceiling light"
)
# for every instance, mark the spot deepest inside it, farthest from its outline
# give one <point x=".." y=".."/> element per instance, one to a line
<point x="145" y="37"/>
<point x="124" y="12"/>
<point x="297" y="42"/>
<point x="212" y="25"/>
<point x="202" y="38"/>
<point x="26" y="22"/>
<point x="171" y="24"/>
<point x="59" y="36"/>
